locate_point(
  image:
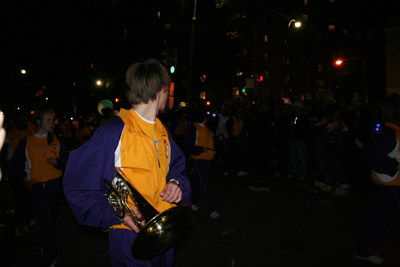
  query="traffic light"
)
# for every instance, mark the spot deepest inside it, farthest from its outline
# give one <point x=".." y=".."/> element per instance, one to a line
<point x="244" y="90"/>
<point x="116" y="100"/>
<point x="257" y="83"/>
<point x="208" y="103"/>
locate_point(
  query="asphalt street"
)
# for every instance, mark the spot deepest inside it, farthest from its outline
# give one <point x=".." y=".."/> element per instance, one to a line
<point x="294" y="224"/>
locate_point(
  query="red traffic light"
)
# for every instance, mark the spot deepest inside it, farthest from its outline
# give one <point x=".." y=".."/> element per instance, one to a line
<point x="208" y="103"/>
<point x="260" y="79"/>
<point x="116" y="100"/>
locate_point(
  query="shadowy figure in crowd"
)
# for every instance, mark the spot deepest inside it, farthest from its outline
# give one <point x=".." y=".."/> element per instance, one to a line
<point x="301" y="135"/>
<point x="234" y="126"/>
<point x="199" y="143"/>
<point x="39" y="162"/>
<point x="330" y="133"/>
<point x="384" y="159"/>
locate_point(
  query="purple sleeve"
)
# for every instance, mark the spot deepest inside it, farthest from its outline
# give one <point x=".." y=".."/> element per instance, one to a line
<point x="88" y="169"/>
<point x="381" y="146"/>
<point x="177" y="170"/>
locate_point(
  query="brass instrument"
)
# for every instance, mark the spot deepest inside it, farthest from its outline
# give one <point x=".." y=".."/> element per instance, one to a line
<point x="161" y="230"/>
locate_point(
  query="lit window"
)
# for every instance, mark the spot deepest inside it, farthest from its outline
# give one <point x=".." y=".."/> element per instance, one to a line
<point x="242" y="52"/>
<point x="159" y="14"/>
<point x="286" y="60"/>
<point x="304" y="16"/>
<point x="344" y="32"/>
<point x="266" y="38"/>
<point x="320" y="67"/>
<point x="167" y="26"/>
<point x="239" y="72"/>
<point x="333" y="1"/>
<point x="305" y="2"/>
<point x="203" y="95"/>
<point x="267" y="74"/>
<point x="320" y="82"/>
<point x="266" y="56"/>
<point x="203" y="78"/>
<point x="288" y="77"/>
<point x="331" y="27"/>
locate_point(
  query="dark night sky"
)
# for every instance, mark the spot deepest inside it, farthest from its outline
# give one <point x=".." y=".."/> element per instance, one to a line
<point x="51" y="39"/>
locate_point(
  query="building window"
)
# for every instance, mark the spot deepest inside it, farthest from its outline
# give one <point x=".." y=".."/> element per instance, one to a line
<point x="304" y="17"/>
<point x="242" y="53"/>
<point x="159" y="14"/>
<point x="305" y="2"/>
<point x="344" y="32"/>
<point x="320" y="68"/>
<point x="333" y="1"/>
<point x="320" y="82"/>
<point x="235" y="34"/>
<point x="241" y="14"/>
<point x="286" y="60"/>
<point x="331" y="27"/>
<point x="203" y="78"/>
<point x="308" y="96"/>
<point x="203" y="95"/>
<point x="288" y="77"/>
<point x="167" y="26"/>
<point x="267" y="74"/>
<point x="239" y="72"/>
<point x="266" y="56"/>
<point x="266" y="38"/>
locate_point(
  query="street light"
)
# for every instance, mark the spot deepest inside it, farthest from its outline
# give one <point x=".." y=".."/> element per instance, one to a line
<point x="23" y="71"/>
<point x="98" y="82"/>
<point x="339" y="62"/>
<point x="297" y="24"/>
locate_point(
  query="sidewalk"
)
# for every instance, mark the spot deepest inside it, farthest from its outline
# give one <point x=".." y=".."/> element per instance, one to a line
<point x="295" y="224"/>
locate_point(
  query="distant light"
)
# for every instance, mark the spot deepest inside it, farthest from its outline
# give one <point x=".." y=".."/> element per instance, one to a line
<point x="98" y="82"/>
<point x="47" y="98"/>
<point x="297" y="24"/>
<point x="72" y="118"/>
<point x="208" y="112"/>
<point x="32" y="112"/>
<point x="172" y="69"/>
<point x="116" y="100"/>
<point x="339" y="62"/>
<point x="18" y="108"/>
<point x="23" y="71"/>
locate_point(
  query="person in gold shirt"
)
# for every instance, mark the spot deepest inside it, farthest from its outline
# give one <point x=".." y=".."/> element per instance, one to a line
<point x="39" y="161"/>
<point x="137" y="143"/>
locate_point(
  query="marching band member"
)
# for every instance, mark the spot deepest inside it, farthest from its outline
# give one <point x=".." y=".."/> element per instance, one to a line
<point x="39" y="162"/>
<point x="141" y="145"/>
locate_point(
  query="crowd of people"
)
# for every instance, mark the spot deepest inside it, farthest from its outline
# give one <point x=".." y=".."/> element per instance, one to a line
<point x="325" y="142"/>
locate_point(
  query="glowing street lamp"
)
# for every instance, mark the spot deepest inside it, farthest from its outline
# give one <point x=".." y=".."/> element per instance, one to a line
<point x="23" y="71"/>
<point x="98" y="82"/>
<point x="297" y="24"/>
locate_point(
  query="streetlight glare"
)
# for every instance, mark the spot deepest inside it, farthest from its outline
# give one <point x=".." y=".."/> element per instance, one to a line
<point x="23" y="71"/>
<point x="339" y="62"/>
<point x="297" y="24"/>
<point x="98" y="82"/>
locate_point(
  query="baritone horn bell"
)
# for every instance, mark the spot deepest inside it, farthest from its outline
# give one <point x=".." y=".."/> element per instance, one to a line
<point x="161" y="230"/>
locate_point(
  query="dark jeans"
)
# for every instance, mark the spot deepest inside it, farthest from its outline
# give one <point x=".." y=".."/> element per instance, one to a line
<point x="44" y="203"/>
<point x="385" y="209"/>
<point x="202" y="186"/>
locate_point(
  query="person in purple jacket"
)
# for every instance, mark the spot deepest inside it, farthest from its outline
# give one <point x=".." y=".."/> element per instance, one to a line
<point x="384" y="160"/>
<point x="141" y="146"/>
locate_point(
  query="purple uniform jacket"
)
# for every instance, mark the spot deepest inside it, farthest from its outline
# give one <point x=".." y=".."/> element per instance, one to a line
<point x="92" y="164"/>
